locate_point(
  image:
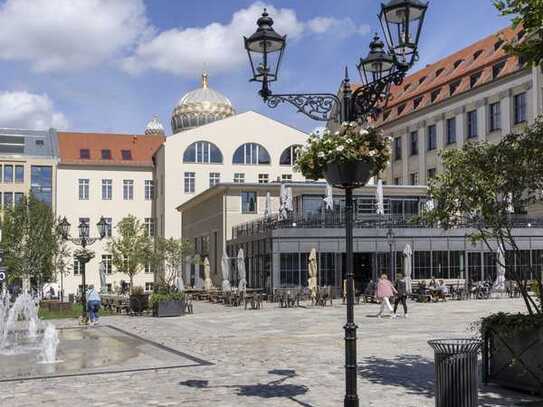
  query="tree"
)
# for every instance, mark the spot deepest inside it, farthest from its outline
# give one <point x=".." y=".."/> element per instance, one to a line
<point x="169" y="257"/>
<point x="480" y="186"/>
<point x="30" y="240"/>
<point x="529" y="14"/>
<point x="129" y="249"/>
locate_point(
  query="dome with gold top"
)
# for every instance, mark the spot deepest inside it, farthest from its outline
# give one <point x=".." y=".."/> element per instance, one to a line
<point x="200" y="106"/>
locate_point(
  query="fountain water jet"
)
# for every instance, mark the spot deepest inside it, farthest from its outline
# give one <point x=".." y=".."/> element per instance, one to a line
<point x="49" y="345"/>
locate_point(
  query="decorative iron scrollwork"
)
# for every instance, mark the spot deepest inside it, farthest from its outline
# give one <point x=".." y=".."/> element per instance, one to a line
<point x="319" y="106"/>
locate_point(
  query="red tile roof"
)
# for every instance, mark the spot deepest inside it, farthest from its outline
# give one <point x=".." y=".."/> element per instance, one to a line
<point x="456" y="69"/>
<point x="142" y="148"/>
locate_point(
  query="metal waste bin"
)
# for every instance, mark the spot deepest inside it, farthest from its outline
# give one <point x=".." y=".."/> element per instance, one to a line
<point x="457" y="375"/>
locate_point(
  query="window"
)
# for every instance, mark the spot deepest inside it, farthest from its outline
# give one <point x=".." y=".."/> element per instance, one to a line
<point x="19" y="197"/>
<point x="451" y="130"/>
<point x="83" y="189"/>
<point x="149" y="191"/>
<point x="397" y="148"/>
<point x="77" y="267"/>
<point x="202" y="152"/>
<point x="289" y="269"/>
<point x="107" y="189"/>
<point x="251" y="154"/>
<point x="519" y="106"/>
<point x="414" y="142"/>
<point x="214" y="178"/>
<point x="421" y="80"/>
<point x="414" y="178"/>
<point x="497" y="68"/>
<point x="472" y="124"/>
<point x="453" y="87"/>
<point x="423" y="265"/>
<point x="432" y="137"/>
<point x="263" y="178"/>
<point x="248" y="202"/>
<point x="397" y="181"/>
<point x="190" y="182"/>
<point x="458" y="63"/>
<point x="431" y="173"/>
<point x="439" y="72"/>
<point x="19" y="174"/>
<point x="41" y="183"/>
<point x="106" y="261"/>
<point x="435" y="95"/>
<point x="386" y="114"/>
<point x="150" y="227"/>
<point x="286" y="177"/>
<point x="109" y="227"/>
<point x="126" y="155"/>
<point x="84" y="154"/>
<point x="401" y="108"/>
<point x="498" y="44"/>
<point x="8" y="199"/>
<point x="8" y="174"/>
<point x="106" y="154"/>
<point x="148" y="286"/>
<point x="239" y="178"/>
<point x="495" y="116"/>
<point x="86" y="221"/>
<point x="288" y="157"/>
<point x="148" y="268"/>
<point x="128" y="189"/>
<point x="477" y="54"/>
<point x="416" y="102"/>
<point x="40" y="142"/>
<point x="474" y="79"/>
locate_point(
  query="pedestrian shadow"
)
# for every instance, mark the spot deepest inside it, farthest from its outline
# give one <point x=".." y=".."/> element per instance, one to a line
<point x="274" y="389"/>
<point x="413" y="372"/>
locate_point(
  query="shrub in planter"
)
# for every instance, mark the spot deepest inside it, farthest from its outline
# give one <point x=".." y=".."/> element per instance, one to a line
<point x="139" y="300"/>
<point x="347" y="157"/>
<point x="168" y="304"/>
<point x="513" y="352"/>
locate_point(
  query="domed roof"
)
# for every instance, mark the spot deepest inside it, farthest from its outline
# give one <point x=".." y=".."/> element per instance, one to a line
<point x="154" y="127"/>
<point x="200" y="106"/>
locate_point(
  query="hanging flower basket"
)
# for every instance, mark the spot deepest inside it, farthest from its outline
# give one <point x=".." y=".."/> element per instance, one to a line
<point x="84" y="255"/>
<point x="348" y="157"/>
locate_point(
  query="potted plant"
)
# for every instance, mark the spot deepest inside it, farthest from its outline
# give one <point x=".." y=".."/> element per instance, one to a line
<point x="347" y="157"/>
<point x="84" y="255"/>
<point x="139" y="300"/>
<point x="168" y="303"/>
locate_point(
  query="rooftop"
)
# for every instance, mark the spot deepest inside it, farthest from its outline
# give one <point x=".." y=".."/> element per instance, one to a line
<point x="28" y="143"/>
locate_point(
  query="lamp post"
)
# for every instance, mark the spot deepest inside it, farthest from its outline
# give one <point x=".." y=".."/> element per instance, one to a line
<point x="390" y="241"/>
<point x="84" y="240"/>
<point x="401" y="22"/>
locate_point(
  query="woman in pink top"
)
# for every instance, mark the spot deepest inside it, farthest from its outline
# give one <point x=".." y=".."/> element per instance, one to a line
<point x="385" y="290"/>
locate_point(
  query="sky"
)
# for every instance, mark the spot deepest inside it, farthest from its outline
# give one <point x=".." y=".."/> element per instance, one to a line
<point x="111" y="65"/>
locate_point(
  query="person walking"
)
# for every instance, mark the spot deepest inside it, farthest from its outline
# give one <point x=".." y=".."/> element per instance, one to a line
<point x="385" y="290"/>
<point x="401" y="288"/>
<point x="93" y="305"/>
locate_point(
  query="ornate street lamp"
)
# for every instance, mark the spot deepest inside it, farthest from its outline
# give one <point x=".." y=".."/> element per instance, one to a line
<point x="402" y="22"/>
<point x="84" y="240"/>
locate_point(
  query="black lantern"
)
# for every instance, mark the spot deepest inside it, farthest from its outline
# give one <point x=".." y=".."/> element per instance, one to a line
<point x="402" y="22"/>
<point x="102" y="226"/>
<point x="378" y="63"/>
<point x="83" y="229"/>
<point x="265" y="49"/>
<point x="64" y="227"/>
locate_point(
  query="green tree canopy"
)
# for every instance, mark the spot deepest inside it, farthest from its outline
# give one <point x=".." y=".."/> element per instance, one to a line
<point x="170" y="255"/>
<point x="529" y="13"/>
<point x="30" y="240"/>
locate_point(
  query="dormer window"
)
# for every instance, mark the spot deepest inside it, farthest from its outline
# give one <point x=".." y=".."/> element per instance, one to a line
<point x="386" y="115"/>
<point x="520" y="35"/>
<point x="498" y="45"/>
<point x="422" y="80"/>
<point x="39" y="142"/>
<point x="416" y="102"/>
<point x="439" y="72"/>
<point x="453" y="86"/>
<point x="106" y="154"/>
<point x="401" y="108"/>
<point x="126" y="155"/>
<point x="497" y="68"/>
<point x="458" y="63"/>
<point x="84" y="154"/>
<point x="435" y="95"/>
<point x="477" y="54"/>
<point x="474" y="79"/>
<point x="406" y="87"/>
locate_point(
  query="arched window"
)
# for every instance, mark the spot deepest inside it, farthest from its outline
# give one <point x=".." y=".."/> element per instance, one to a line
<point x="202" y="152"/>
<point x="251" y="154"/>
<point x="289" y="155"/>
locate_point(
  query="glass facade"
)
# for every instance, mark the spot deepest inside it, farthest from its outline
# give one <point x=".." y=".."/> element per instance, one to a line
<point x="41" y="183"/>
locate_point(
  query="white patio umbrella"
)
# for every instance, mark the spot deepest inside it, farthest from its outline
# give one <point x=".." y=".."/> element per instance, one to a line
<point x="329" y="199"/>
<point x="179" y="283"/>
<point x="225" y="265"/>
<point x="267" y="208"/>
<point x="290" y="201"/>
<point x="312" y="271"/>
<point x="407" y="266"/>
<point x="499" y="284"/>
<point x="242" y="286"/>
<point x="283" y="197"/>
<point x="198" y="283"/>
<point x="379" y="198"/>
<point x="208" y="284"/>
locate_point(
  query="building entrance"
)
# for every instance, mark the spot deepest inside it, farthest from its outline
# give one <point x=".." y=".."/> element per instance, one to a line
<point x="362" y="270"/>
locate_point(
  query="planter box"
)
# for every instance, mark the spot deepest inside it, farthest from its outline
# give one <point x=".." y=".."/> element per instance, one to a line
<point x="172" y="308"/>
<point x="514" y="361"/>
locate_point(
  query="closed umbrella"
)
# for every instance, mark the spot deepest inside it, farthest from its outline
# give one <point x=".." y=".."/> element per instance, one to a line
<point x="225" y="265"/>
<point x="283" y="197"/>
<point x="312" y="271"/>
<point x="242" y="286"/>
<point x="379" y="198"/>
<point x="499" y="284"/>
<point x="208" y="284"/>
<point x="267" y="208"/>
<point x="407" y="264"/>
<point x="290" y="202"/>
<point x="198" y="283"/>
<point x="329" y="199"/>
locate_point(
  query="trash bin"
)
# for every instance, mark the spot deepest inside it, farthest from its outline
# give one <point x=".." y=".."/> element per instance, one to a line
<point x="457" y="376"/>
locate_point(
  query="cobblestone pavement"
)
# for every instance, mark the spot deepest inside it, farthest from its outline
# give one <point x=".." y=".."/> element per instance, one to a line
<point x="277" y="357"/>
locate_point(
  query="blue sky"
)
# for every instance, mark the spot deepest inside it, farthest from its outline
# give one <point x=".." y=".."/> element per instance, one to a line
<point x="110" y="65"/>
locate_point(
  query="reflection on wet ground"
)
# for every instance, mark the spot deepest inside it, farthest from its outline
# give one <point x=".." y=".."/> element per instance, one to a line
<point x="96" y="350"/>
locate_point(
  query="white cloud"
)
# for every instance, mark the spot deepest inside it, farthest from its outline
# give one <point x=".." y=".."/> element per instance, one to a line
<point x="25" y="110"/>
<point x="60" y="35"/>
<point x="219" y="47"/>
